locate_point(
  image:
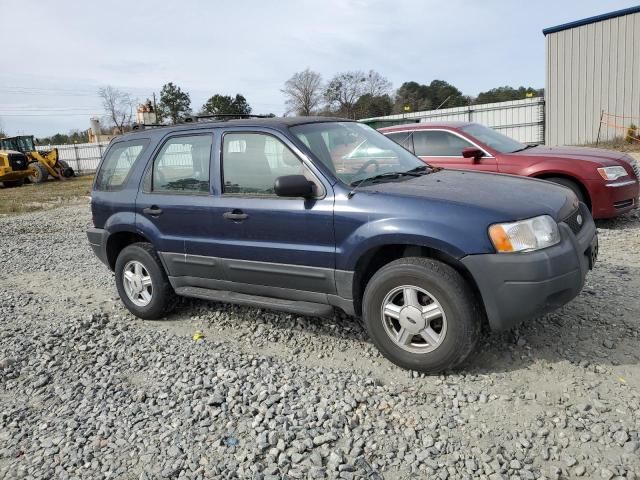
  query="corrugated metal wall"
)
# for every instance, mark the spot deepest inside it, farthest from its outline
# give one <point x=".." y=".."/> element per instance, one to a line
<point x="590" y="69"/>
<point x="522" y="120"/>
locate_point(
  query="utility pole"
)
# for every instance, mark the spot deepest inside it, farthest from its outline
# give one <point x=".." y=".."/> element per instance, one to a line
<point x="155" y="108"/>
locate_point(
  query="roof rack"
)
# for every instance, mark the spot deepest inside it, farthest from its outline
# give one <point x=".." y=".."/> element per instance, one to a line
<point x="144" y="126"/>
<point x="224" y="116"/>
<point x="196" y="118"/>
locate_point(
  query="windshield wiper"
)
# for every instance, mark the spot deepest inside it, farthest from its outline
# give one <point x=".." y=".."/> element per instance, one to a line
<point x="524" y="148"/>
<point x="414" y="172"/>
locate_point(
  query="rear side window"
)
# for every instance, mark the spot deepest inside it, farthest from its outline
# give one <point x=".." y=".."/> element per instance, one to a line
<point x="182" y="165"/>
<point x="118" y="163"/>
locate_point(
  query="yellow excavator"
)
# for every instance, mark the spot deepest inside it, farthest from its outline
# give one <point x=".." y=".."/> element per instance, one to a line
<point x="14" y="168"/>
<point x="41" y="164"/>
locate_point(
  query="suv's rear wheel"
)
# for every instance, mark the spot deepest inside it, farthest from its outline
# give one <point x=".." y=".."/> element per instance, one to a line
<point x="142" y="283"/>
<point x="421" y="314"/>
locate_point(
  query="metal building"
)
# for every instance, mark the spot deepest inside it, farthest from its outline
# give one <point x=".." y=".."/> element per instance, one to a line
<point x="593" y="74"/>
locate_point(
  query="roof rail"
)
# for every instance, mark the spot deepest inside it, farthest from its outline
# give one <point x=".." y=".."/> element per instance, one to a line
<point x="223" y="116"/>
<point x="144" y="126"/>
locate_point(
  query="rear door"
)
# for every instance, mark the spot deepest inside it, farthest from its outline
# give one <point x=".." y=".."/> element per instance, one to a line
<point x="443" y="148"/>
<point x="175" y="199"/>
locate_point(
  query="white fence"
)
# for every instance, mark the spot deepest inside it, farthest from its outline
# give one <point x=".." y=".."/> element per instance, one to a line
<point x="82" y="157"/>
<point x="522" y="120"/>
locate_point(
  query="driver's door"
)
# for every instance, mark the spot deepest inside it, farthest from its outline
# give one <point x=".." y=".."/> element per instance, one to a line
<point x="443" y="148"/>
<point x="263" y="239"/>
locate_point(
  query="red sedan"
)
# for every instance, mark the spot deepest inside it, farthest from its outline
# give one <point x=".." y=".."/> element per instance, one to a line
<point x="607" y="181"/>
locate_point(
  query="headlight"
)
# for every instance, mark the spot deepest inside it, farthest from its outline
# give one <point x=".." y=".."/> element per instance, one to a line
<point x="612" y="173"/>
<point x="525" y="235"/>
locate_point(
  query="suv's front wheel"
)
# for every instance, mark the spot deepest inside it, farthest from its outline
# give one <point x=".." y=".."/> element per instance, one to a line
<point x="142" y="283"/>
<point x="421" y="314"/>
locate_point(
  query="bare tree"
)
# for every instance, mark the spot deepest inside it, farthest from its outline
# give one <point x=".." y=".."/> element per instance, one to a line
<point x="304" y="92"/>
<point x="376" y="85"/>
<point x="118" y="106"/>
<point x="344" y="90"/>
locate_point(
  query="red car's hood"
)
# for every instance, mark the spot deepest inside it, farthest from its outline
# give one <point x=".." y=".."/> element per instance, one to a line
<point x="604" y="157"/>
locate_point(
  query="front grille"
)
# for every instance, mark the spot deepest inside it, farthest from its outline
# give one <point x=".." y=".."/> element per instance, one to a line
<point x="577" y="219"/>
<point x="18" y="161"/>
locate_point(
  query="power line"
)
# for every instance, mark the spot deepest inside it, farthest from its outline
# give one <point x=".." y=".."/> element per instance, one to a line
<point x="47" y="94"/>
<point x="47" y="114"/>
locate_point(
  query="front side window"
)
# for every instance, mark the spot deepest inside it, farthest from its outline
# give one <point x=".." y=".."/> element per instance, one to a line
<point x="437" y="143"/>
<point x="118" y="163"/>
<point x="355" y="152"/>
<point x="493" y="139"/>
<point x="251" y="162"/>
<point x="182" y="165"/>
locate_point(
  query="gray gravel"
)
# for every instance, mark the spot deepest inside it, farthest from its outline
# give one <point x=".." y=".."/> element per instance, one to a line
<point x="88" y="391"/>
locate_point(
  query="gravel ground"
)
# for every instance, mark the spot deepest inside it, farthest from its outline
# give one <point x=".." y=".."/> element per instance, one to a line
<point x="88" y="391"/>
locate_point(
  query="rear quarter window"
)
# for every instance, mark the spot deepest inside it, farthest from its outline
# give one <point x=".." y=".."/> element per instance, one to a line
<point x="118" y="164"/>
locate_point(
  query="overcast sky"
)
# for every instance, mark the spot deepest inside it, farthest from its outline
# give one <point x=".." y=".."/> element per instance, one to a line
<point x="57" y="54"/>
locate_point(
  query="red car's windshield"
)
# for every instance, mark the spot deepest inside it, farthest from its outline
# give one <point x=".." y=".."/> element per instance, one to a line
<point x="493" y="139"/>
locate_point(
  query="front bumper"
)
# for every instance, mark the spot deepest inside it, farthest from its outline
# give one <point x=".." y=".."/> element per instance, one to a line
<point x="613" y="198"/>
<point x="98" y="241"/>
<point x="519" y="286"/>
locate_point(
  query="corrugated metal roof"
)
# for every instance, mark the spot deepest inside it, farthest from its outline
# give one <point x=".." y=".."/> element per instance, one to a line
<point x="587" y="21"/>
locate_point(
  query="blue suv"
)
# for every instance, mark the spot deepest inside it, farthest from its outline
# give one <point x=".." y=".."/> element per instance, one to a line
<point x="310" y="214"/>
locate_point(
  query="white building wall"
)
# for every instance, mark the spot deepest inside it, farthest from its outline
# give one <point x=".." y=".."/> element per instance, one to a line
<point x="590" y="69"/>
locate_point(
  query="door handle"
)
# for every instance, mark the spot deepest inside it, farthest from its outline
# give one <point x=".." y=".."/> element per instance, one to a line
<point x="153" y="210"/>
<point x="236" y="215"/>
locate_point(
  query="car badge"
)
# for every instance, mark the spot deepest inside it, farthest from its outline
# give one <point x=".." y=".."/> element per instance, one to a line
<point x="579" y="219"/>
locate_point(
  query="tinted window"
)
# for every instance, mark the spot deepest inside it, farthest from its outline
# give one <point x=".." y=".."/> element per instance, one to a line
<point x="182" y="166"/>
<point x="493" y="139"/>
<point x="436" y="143"/>
<point x="251" y="162"/>
<point x="117" y="165"/>
<point x="402" y="138"/>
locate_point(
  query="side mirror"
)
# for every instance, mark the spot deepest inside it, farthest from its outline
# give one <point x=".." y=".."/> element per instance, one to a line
<point x="472" y="152"/>
<point x="293" y="186"/>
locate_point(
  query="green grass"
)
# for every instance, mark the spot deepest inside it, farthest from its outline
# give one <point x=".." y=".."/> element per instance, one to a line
<point x="51" y="194"/>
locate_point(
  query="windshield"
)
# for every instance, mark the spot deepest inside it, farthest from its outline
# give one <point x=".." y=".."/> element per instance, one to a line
<point x="493" y="139"/>
<point x="354" y="151"/>
<point x="20" y="144"/>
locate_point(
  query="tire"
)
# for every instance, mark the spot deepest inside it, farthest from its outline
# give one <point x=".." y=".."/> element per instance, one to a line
<point x="67" y="171"/>
<point x="439" y="288"/>
<point x="162" y="297"/>
<point x="570" y="184"/>
<point x="41" y="173"/>
<point x="13" y="183"/>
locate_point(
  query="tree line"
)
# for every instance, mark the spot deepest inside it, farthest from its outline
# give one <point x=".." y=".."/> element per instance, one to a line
<point x="358" y="94"/>
<point x="352" y="94"/>
<point x="174" y="105"/>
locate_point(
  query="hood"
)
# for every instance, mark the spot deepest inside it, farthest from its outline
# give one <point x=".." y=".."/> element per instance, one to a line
<point x="507" y="196"/>
<point x="597" y="155"/>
